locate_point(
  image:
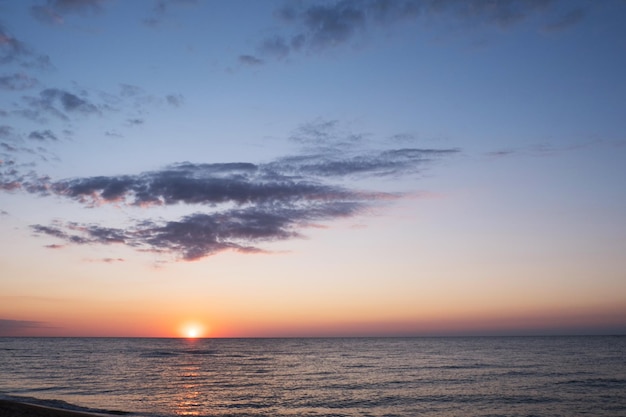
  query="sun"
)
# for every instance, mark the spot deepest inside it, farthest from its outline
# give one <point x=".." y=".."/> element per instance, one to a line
<point x="192" y="330"/>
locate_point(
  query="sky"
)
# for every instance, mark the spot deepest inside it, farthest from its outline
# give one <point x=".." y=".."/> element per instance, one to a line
<point x="312" y="168"/>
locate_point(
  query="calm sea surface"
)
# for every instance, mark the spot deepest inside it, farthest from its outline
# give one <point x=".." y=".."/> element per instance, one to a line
<point x="517" y="376"/>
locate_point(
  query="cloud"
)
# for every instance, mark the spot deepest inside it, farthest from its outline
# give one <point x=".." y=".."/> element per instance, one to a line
<point x="134" y="122"/>
<point x="55" y="246"/>
<point x="250" y="60"/>
<point x="112" y="134"/>
<point x="500" y="13"/>
<point x="53" y="11"/>
<point x="129" y="105"/>
<point x="162" y="9"/>
<point x="112" y="260"/>
<point x="6" y="131"/>
<point x="175" y="100"/>
<point x="68" y="101"/>
<point x="380" y="163"/>
<point x="239" y="205"/>
<point x="58" y="103"/>
<point x="204" y="234"/>
<point x="42" y="135"/>
<point x="566" y="21"/>
<point x="322" y="133"/>
<point x="128" y="90"/>
<point x="15" y="153"/>
<point x="318" y="26"/>
<point x="14" y="51"/>
<point x="17" y="82"/>
<point x="550" y="149"/>
<point x="275" y="47"/>
<point x="234" y="206"/>
<point x="206" y="184"/>
<point x="16" y="327"/>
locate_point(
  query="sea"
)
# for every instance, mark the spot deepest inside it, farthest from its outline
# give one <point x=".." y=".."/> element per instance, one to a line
<point x="434" y="377"/>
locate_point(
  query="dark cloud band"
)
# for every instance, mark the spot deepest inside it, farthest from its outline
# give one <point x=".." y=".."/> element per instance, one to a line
<point x="243" y="203"/>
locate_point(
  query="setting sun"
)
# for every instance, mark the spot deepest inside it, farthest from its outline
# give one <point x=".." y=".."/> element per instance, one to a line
<point x="192" y="330"/>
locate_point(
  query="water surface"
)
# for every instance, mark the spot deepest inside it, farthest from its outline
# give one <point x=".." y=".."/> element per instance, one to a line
<point x="434" y="377"/>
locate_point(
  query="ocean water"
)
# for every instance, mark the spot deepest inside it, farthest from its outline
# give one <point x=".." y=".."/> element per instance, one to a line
<point x="435" y="377"/>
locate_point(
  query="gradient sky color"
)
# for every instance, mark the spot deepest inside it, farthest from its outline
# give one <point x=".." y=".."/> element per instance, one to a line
<point x="314" y="168"/>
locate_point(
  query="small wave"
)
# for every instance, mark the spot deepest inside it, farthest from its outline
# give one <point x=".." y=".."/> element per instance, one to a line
<point x="259" y="359"/>
<point x="596" y="382"/>
<point x="201" y="352"/>
<point x="39" y="389"/>
<point x="158" y="354"/>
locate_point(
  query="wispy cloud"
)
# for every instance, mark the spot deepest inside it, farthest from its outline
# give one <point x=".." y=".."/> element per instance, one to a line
<point x="162" y="10"/>
<point x="237" y="205"/>
<point x="565" y="21"/>
<point x="60" y="110"/>
<point x="175" y="100"/>
<point x="17" y="82"/>
<point x="317" y="26"/>
<point x="43" y="135"/>
<point x="250" y="60"/>
<point x="10" y="327"/>
<point x="54" y="11"/>
<point x="548" y="149"/>
<point x="14" y="51"/>
<point x="58" y="103"/>
<point x="134" y="122"/>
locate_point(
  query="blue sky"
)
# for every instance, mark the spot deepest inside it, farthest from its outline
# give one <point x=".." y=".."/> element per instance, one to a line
<point x="312" y="168"/>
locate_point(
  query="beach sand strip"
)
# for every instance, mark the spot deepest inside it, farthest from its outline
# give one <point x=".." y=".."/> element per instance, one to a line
<point x="17" y="409"/>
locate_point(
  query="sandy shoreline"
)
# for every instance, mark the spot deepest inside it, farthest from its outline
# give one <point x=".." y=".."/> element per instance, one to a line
<point x="17" y="409"/>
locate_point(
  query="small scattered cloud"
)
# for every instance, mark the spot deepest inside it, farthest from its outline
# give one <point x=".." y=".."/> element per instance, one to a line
<point x="68" y="101"/>
<point x="113" y="134"/>
<point x="501" y="153"/>
<point x="43" y="135"/>
<point x="250" y="60"/>
<point x="134" y="122"/>
<point x="17" y="82"/>
<point x="6" y="131"/>
<point x="58" y="103"/>
<point x="130" y="106"/>
<point x="106" y="260"/>
<point x="128" y="90"/>
<point x="323" y="133"/>
<point x="162" y="11"/>
<point x="175" y="100"/>
<point x="55" y="246"/>
<point x="7" y="147"/>
<point x="112" y="260"/>
<point x="54" y="11"/>
<point x="14" y="51"/>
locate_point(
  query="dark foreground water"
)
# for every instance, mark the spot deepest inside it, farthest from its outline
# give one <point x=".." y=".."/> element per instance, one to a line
<point x="518" y="376"/>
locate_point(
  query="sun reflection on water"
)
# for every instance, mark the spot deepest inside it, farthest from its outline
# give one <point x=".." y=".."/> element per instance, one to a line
<point x="189" y="397"/>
